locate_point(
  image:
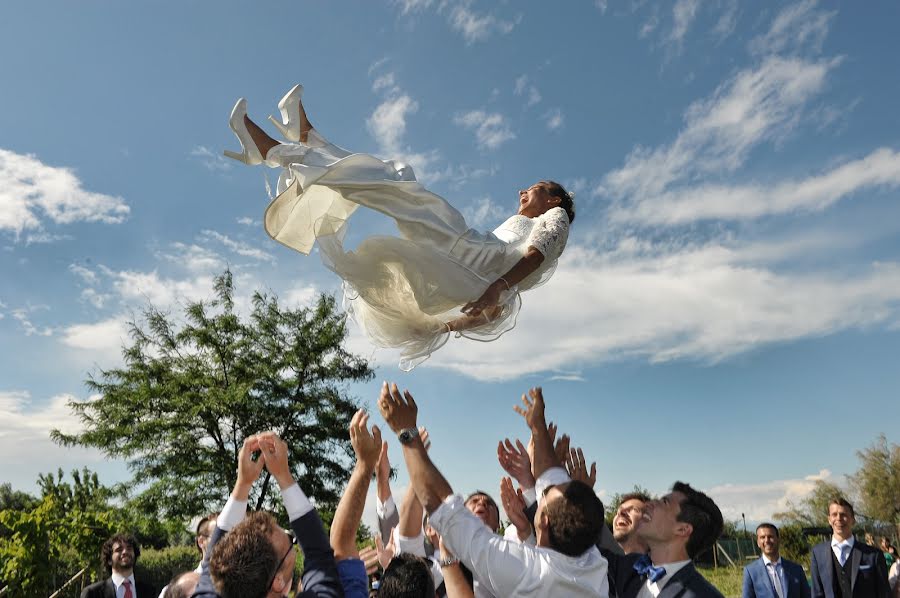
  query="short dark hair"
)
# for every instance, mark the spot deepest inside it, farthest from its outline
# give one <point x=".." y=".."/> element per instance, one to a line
<point x="841" y="501"/>
<point x="566" y="201"/>
<point x="407" y="576"/>
<point x="701" y="512"/>
<point x="770" y="526"/>
<point x="641" y="496"/>
<point x="244" y="560"/>
<point x="178" y="589"/>
<point x="574" y="519"/>
<point x="107" y="549"/>
<point x="203" y="529"/>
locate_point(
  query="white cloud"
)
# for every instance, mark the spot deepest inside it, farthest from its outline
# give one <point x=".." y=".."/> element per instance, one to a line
<point x="484" y="213"/>
<point x="85" y="274"/>
<point x="602" y="5"/>
<point x="727" y="22"/>
<point x="163" y="293"/>
<point x="554" y="119"/>
<point x="798" y="27"/>
<point x="522" y="86"/>
<point x="31" y="191"/>
<point x="22" y="315"/>
<point x="410" y="6"/>
<point x="238" y="247"/>
<point x="247" y="221"/>
<point x="759" y="501"/>
<point x="387" y="81"/>
<point x="104" y="338"/>
<point x="755" y="105"/>
<point x="300" y="296"/>
<point x="718" y="303"/>
<point x="491" y="129"/>
<point x="212" y="160"/>
<point x="387" y="124"/>
<point x="683" y="14"/>
<point x="475" y="26"/>
<point x="95" y="298"/>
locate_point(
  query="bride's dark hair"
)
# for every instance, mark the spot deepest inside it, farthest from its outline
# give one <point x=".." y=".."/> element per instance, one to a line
<point x="566" y="201"/>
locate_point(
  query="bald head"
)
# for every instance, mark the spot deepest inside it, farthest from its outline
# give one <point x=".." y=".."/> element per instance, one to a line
<point x="182" y="585"/>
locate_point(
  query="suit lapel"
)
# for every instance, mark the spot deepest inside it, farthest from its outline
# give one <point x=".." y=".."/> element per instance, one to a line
<point x="110" y="588"/>
<point x="675" y="587"/>
<point x="761" y="580"/>
<point x="825" y="567"/>
<point x="855" y="558"/>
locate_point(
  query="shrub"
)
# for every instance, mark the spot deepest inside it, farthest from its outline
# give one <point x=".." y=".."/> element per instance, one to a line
<point x="157" y="567"/>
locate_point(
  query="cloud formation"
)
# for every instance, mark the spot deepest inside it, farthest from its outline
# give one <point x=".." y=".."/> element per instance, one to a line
<point x="33" y="193"/>
<point x="491" y="128"/>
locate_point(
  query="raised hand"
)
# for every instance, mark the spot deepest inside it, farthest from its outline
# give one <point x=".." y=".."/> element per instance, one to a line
<point x="533" y="409"/>
<point x="577" y="468"/>
<point x="369" y="556"/>
<point x="399" y="412"/>
<point x="385" y="551"/>
<point x="248" y="468"/>
<point x="516" y="461"/>
<point x="276" y="452"/>
<point x="514" y="506"/>
<point x="424" y="437"/>
<point x="561" y="448"/>
<point x="366" y="446"/>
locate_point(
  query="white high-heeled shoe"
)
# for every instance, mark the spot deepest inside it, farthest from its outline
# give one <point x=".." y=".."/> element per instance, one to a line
<point x="289" y="106"/>
<point x="250" y="154"/>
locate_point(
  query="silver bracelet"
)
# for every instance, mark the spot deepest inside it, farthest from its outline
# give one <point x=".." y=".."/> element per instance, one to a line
<point x="505" y="282"/>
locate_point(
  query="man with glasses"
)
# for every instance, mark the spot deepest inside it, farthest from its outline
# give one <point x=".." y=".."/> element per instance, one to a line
<point x="251" y="556"/>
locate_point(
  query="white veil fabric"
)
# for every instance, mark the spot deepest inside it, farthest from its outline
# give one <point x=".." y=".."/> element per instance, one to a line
<point x="399" y="290"/>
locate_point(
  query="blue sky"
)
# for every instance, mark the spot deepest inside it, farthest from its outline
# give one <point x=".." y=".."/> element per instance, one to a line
<point x="726" y="312"/>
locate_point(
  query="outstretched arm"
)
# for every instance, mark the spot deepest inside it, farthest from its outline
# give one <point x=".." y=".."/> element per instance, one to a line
<point x="367" y="447"/>
<point x="526" y="265"/>
<point x="400" y="413"/>
<point x="533" y="412"/>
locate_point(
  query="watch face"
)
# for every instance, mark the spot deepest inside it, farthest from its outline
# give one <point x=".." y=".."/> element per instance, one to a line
<point x="406" y="436"/>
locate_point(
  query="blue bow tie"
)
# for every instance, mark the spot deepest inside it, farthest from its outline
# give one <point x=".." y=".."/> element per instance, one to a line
<point x="644" y="567"/>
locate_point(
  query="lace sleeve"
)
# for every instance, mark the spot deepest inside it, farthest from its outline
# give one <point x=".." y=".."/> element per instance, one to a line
<point x="550" y="233"/>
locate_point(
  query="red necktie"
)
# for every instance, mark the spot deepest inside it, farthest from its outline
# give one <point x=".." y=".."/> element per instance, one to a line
<point x="128" y="592"/>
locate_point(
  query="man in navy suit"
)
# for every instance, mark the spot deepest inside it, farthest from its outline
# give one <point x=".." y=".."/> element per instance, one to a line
<point x="772" y="576"/>
<point x="250" y="555"/>
<point x="119" y="554"/>
<point x="843" y="567"/>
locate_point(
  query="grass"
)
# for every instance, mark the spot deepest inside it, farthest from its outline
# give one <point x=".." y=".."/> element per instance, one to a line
<point x="726" y="579"/>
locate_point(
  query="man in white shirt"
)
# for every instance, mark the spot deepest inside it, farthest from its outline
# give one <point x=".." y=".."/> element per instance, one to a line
<point x="119" y="554"/>
<point x="565" y="561"/>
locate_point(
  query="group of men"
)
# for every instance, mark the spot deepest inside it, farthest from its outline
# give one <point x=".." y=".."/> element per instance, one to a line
<point x="439" y="544"/>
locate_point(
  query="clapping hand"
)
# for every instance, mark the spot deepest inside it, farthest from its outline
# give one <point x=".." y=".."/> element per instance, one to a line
<point x="369" y="557"/>
<point x="275" y="451"/>
<point x="248" y="468"/>
<point x="385" y="551"/>
<point x="514" y="505"/>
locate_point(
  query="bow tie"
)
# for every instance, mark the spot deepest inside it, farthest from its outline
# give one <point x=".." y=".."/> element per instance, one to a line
<point x="644" y="567"/>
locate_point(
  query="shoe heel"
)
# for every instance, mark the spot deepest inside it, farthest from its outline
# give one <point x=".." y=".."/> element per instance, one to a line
<point x="285" y="130"/>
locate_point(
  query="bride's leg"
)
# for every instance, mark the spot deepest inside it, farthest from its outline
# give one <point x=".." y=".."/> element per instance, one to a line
<point x="260" y="137"/>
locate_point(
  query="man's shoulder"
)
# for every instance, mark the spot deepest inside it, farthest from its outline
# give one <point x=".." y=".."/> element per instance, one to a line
<point x="696" y="584"/>
<point x="756" y="565"/>
<point x="823" y="547"/>
<point x="95" y="590"/>
<point x="145" y="589"/>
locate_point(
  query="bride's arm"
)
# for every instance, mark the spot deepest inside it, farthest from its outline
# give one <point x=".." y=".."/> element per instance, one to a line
<point x="529" y="262"/>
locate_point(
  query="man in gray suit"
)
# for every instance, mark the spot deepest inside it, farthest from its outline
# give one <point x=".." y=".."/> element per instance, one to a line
<point x="771" y="576"/>
<point x="843" y="567"/>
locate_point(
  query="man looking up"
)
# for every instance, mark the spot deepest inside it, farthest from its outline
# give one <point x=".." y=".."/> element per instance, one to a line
<point x="771" y="576"/>
<point x="627" y="520"/>
<point x="565" y="561"/>
<point x="843" y="567"/>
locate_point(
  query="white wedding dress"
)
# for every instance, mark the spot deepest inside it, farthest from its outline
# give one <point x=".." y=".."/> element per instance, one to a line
<point x="400" y="290"/>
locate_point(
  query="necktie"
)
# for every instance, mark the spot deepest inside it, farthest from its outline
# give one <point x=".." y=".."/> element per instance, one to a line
<point x="644" y="567"/>
<point x="776" y="579"/>
<point x="128" y="592"/>
<point x="845" y="552"/>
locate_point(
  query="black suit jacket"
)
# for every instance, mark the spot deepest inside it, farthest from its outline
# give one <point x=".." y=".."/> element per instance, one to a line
<point x="868" y="572"/>
<point x="107" y="589"/>
<point x="624" y="581"/>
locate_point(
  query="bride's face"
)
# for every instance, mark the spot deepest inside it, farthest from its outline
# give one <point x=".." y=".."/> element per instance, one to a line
<point x="536" y="200"/>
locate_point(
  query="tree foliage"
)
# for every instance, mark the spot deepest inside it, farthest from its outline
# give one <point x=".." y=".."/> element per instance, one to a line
<point x="878" y="481"/>
<point x="189" y="393"/>
<point x="812" y="510"/>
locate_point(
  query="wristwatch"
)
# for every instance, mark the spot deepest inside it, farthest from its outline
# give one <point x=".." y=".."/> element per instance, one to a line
<point x="447" y="562"/>
<point x="407" y="435"/>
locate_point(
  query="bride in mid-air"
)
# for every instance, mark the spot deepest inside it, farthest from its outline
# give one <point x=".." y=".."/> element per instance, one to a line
<point x="438" y="277"/>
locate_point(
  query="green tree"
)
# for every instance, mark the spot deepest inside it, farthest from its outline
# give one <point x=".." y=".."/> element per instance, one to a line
<point x="878" y="482"/>
<point x="612" y="503"/>
<point x="190" y="392"/>
<point x="15" y="500"/>
<point x="811" y="511"/>
<point x="45" y="544"/>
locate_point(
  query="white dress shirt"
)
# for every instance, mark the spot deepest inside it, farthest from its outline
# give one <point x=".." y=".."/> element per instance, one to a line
<point x="837" y="547"/>
<point x="385" y="509"/>
<point x="508" y="568"/>
<point x="651" y="589"/>
<point x="118" y="581"/>
<point x="775" y="571"/>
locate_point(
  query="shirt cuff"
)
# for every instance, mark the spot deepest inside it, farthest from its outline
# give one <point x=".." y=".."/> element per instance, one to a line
<point x="232" y="513"/>
<point x="385" y="509"/>
<point x="295" y="502"/>
<point x="414" y="545"/>
<point x="530" y="496"/>
<point x="552" y="477"/>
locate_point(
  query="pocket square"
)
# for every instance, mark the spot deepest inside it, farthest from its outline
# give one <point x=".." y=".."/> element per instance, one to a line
<point x="864" y="567"/>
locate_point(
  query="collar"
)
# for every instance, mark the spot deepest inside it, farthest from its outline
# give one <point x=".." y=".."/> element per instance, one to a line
<point x="848" y="542"/>
<point x="671" y="570"/>
<point x="118" y="579"/>
<point x="766" y="560"/>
